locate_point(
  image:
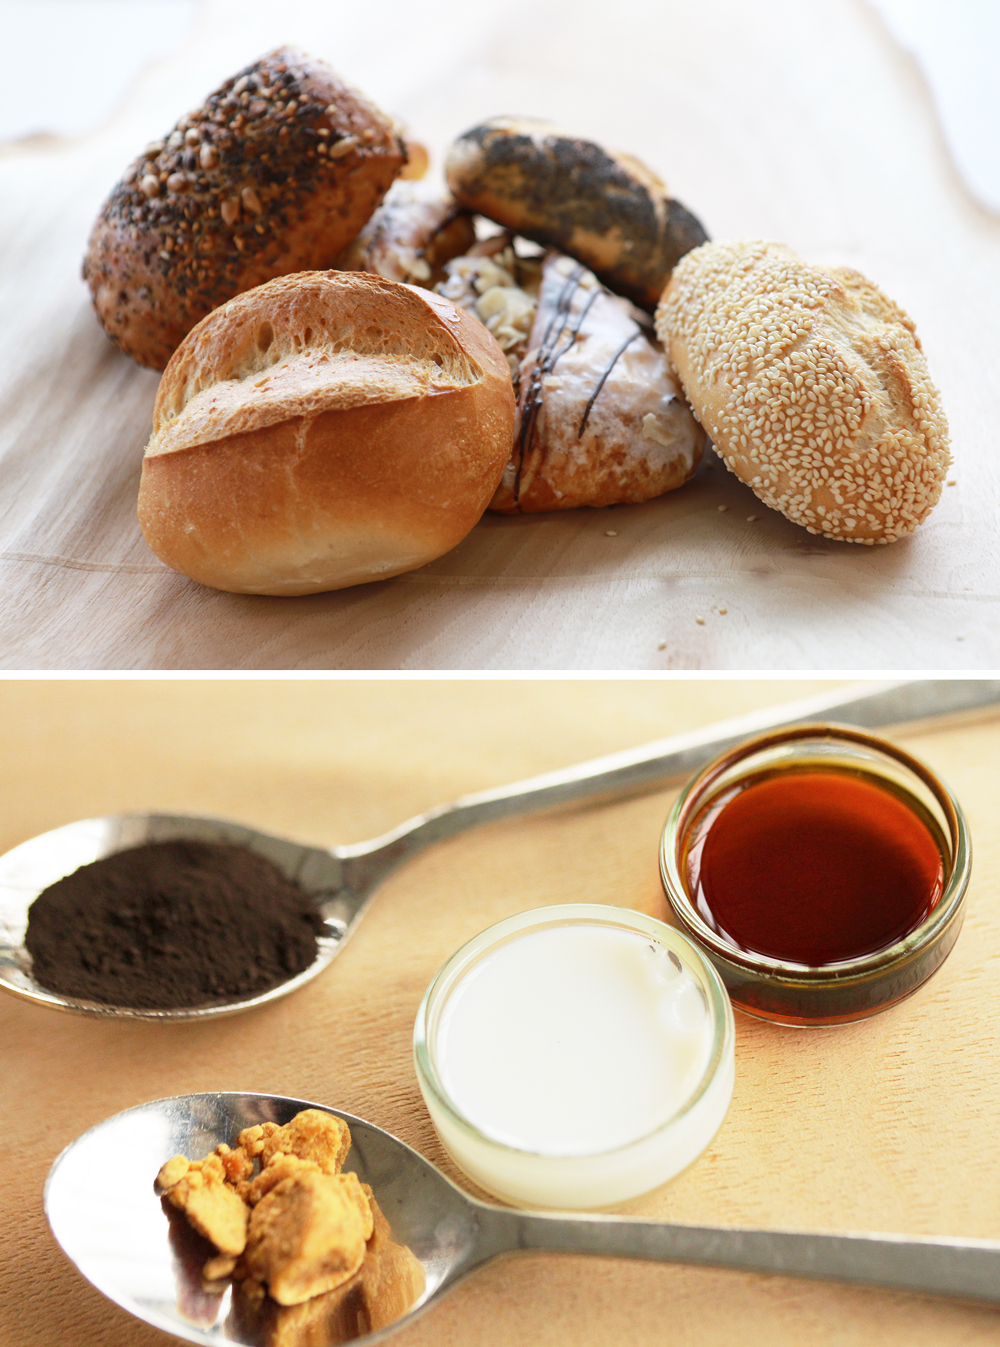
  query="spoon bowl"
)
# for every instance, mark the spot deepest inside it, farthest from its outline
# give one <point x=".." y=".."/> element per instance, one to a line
<point x="31" y="867"/>
<point x="344" y="879"/>
<point x="120" y="1238"/>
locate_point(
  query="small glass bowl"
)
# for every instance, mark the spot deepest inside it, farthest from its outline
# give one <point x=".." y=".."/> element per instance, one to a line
<point x="529" y="1178"/>
<point x="835" y="993"/>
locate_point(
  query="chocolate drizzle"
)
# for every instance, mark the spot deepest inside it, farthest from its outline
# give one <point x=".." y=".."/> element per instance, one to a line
<point x="603" y="379"/>
<point x="545" y="362"/>
<point x="548" y="358"/>
<point x="550" y="352"/>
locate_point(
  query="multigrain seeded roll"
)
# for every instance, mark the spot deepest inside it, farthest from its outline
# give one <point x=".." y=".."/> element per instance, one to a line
<point x="812" y="385"/>
<point x="275" y="173"/>
<point x="605" y="208"/>
<point x="324" y="430"/>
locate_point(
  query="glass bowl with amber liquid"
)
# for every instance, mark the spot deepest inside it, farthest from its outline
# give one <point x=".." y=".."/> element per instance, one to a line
<point x="822" y="869"/>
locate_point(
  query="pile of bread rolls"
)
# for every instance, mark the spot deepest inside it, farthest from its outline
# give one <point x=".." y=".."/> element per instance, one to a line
<point x="354" y="368"/>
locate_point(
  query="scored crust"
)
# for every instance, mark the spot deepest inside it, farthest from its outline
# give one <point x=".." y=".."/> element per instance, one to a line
<point x="275" y="173"/>
<point x="812" y="385"/>
<point x="323" y="430"/>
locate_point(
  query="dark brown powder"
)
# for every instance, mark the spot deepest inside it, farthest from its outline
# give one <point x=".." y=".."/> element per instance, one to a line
<point x="171" y="925"/>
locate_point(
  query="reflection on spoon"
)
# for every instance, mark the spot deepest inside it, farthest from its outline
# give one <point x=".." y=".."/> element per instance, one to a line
<point x="195" y="1301"/>
<point x="388" y="1282"/>
<point x="117" y="1237"/>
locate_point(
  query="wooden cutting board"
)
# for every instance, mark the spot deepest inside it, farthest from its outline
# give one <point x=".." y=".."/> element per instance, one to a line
<point x="889" y="1124"/>
<point x="805" y="124"/>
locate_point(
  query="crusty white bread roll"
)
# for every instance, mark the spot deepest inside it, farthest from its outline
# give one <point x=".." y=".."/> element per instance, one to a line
<point x="601" y="419"/>
<point x="324" y="430"/>
<point x="275" y="173"/>
<point x="812" y="385"/>
<point x="605" y="208"/>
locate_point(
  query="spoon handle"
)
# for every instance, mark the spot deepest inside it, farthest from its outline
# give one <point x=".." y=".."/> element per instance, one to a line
<point x="939" y="1266"/>
<point x="869" y="705"/>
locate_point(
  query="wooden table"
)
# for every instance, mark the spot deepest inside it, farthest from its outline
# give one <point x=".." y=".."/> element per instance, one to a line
<point x="889" y="1124"/>
<point x="802" y="123"/>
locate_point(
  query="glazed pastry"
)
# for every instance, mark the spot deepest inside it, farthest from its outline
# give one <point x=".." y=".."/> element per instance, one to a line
<point x="275" y="173"/>
<point x="602" y="420"/>
<point x="606" y="209"/>
<point x="813" y="386"/>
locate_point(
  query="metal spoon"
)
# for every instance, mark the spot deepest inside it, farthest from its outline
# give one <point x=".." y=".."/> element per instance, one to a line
<point x="344" y="879"/>
<point x="118" y="1235"/>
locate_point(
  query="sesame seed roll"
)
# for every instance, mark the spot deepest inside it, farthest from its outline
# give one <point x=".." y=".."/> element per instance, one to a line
<point x="812" y="385"/>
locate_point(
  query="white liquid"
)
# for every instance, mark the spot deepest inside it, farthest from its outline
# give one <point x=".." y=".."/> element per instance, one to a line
<point x="573" y="1040"/>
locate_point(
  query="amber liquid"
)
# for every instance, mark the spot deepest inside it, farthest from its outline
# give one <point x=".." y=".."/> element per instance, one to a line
<point x="813" y="867"/>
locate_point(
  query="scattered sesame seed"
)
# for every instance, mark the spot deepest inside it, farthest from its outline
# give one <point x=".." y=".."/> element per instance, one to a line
<point x="662" y="645"/>
<point x="952" y="481"/>
<point x="723" y="611"/>
<point x="700" y="621"/>
<point x="723" y="509"/>
<point x="751" y="519"/>
<point x="610" y="533"/>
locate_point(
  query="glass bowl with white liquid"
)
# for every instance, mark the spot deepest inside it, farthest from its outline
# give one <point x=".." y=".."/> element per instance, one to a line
<point x="574" y="1057"/>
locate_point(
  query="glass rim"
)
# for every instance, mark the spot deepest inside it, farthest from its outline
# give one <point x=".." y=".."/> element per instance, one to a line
<point x="597" y="914"/>
<point x="785" y="970"/>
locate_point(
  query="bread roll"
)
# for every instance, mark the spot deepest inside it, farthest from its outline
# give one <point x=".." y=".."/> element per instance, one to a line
<point x="411" y="236"/>
<point x="275" y="173"/>
<point x="601" y="418"/>
<point x="812" y="385"/>
<point x="324" y="430"/>
<point x="606" y="209"/>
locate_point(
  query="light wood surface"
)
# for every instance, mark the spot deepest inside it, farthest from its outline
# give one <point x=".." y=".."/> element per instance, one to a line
<point x="802" y="123"/>
<point x="889" y="1124"/>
